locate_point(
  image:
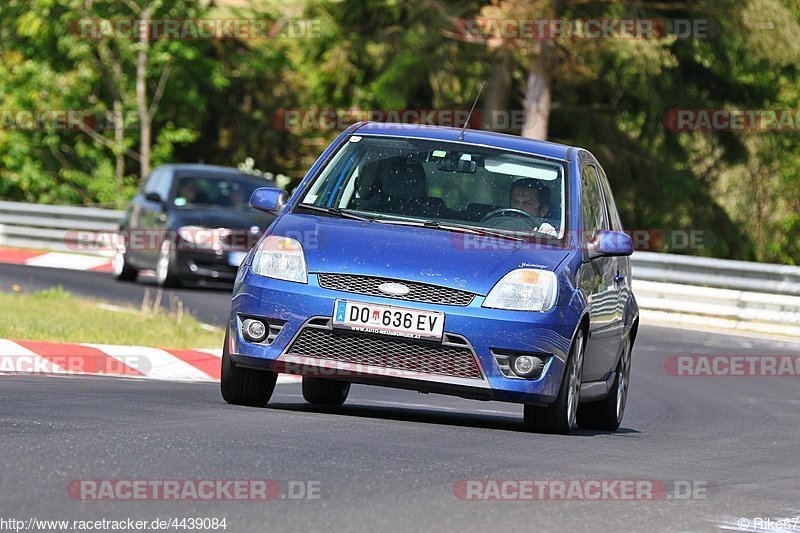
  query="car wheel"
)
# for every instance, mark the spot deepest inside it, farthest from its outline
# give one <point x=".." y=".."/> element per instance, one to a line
<point x="165" y="268"/>
<point x="327" y="392"/>
<point x="607" y="413"/>
<point x="245" y="386"/>
<point x="121" y="267"/>
<point x="559" y="417"/>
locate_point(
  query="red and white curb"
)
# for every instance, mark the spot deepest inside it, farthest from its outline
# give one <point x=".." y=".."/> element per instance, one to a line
<point x="41" y="258"/>
<point x="55" y="358"/>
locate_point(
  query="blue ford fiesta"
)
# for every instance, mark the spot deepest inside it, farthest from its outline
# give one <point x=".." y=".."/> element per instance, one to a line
<point x="475" y="264"/>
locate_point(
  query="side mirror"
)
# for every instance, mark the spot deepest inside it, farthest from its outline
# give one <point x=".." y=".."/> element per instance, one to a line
<point x="607" y="243"/>
<point x="154" y="197"/>
<point x="269" y="199"/>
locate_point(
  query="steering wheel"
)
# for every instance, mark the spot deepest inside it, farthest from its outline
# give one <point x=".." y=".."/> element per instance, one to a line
<point x="534" y="221"/>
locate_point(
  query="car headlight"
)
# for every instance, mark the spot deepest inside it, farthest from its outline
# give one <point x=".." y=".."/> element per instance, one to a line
<point x="203" y="238"/>
<point x="524" y="289"/>
<point x="280" y="258"/>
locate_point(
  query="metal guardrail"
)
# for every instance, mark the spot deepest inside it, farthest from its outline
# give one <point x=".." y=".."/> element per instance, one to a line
<point x="666" y="283"/>
<point x="53" y="227"/>
<point x="733" y="293"/>
<point x="718" y="273"/>
<point x="730" y="305"/>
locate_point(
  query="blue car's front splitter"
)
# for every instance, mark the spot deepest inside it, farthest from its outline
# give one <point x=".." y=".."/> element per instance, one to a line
<point x="464" y="363"/>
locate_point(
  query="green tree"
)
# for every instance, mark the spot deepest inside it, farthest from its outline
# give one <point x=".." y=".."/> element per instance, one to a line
<point x="139" y="98"/>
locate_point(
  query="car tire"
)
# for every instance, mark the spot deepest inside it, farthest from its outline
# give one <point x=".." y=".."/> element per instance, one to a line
<point x="121" y="267"/>
<point x="607" y="413"/>
<point x="165" y="266"/>
<point x="245" y="386"/>
<point x="327" y="392"/>
<point x="559" y="417"/>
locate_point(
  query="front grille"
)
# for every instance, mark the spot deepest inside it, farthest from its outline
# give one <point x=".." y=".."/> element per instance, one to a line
<point x="397" y="354"/>
<point x="420" y="292"/>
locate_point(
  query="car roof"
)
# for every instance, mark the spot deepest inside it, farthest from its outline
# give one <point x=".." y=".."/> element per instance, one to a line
<point x="478" y="137"/>
<point x="205" y="169"/>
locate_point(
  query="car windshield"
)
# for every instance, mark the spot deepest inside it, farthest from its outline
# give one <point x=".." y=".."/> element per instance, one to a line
<point x="444" y="184"/>
<point x="228" y="192"/>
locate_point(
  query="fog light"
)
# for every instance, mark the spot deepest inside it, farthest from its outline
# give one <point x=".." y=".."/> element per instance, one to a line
<point x="526" y="366"/>
<point x="254" y="330"/>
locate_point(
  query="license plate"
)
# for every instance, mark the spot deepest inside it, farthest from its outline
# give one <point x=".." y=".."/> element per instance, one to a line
<point x="388" y="320"/>
<point x="236" y="258"/>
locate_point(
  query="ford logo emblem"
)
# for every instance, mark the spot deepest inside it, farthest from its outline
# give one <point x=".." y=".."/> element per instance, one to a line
<point x="394" y="289"/>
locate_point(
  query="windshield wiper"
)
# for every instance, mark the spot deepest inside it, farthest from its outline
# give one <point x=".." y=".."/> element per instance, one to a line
<point x="336" y="211"/>
<point x="471" y="229"/>
<point x="452" y="227"/>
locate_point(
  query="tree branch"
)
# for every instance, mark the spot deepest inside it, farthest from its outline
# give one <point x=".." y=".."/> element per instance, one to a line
<point x="133" y="6"/>
<point x="162" y="83"/>
<point x="105" y="142"/>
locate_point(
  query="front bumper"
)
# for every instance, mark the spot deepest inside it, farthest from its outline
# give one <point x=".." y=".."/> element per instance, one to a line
<point x="293" y="307"/>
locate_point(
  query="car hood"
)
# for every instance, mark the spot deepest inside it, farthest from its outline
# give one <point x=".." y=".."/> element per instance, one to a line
<point x="220" y="218"/>
<point x="450" y="259"/>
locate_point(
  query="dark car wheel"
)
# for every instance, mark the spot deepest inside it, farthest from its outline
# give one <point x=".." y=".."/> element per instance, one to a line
<point x="327" y="392"/>
<point x="121" y="267"/>
<point x="165" y="267"/>
<point x="607" y="413"/>
<point x="559" y="417"/>
<point x="245" y="386"/>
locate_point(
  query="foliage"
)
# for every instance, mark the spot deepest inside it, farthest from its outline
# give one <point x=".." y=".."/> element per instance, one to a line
<point x="224" y="100"/>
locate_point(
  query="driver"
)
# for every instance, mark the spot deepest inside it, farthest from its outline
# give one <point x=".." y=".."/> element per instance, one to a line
<point x="188" y="191"/>
<point x="533" y="197"/>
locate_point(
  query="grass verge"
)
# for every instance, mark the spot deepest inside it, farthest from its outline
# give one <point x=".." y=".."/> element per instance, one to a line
<point x="59" y="316"/>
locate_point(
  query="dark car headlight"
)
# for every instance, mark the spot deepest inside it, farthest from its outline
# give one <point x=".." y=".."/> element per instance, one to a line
<point x="203" y="238"/>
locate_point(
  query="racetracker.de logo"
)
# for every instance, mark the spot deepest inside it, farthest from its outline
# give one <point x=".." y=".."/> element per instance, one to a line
<point x="758" y="120"/>
<point x="578" y="489"/>
<point x="340" y="119"/>
<point x="662" y="240"/>
<point x="192" y="489"/>
<point x="505" y="29"/>
<point x="77" y="363"/>
<point x="193" y="29"/>
<point x="733" y="365"/>
<point x="62" y="120"/>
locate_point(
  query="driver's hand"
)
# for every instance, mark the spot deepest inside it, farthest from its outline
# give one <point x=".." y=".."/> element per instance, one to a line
<point x="547" y="229"/>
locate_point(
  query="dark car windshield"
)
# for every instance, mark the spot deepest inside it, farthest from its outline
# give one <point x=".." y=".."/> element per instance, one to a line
<point x="408" y="179"/>
<point x="217" y="191"/>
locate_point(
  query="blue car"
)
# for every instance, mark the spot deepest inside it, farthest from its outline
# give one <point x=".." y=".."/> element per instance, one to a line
<point x="467" y="263"/>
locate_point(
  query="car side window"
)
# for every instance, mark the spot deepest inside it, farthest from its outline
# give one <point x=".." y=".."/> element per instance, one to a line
<point x="594" y="213"/>
<point x="611" y="205"/>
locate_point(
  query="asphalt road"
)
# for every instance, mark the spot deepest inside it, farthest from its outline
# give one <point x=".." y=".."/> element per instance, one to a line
<point x="391" y="459"/>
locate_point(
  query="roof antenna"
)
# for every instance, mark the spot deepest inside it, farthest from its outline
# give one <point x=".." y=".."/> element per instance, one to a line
<point x="466" y="122"/>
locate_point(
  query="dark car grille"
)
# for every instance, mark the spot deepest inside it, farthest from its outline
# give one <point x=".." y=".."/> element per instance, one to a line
<point x="397" y="354"/>
<point x="420" y="292"/>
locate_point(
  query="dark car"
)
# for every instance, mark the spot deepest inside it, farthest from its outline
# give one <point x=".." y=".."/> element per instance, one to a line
<point x="190" y="222"/>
